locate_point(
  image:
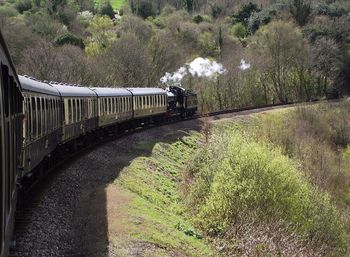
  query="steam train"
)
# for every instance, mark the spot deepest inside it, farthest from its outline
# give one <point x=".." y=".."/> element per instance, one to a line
<point x="42" y="121"/>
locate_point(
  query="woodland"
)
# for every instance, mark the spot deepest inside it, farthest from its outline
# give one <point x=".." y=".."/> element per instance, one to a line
<point x="295" y="50"/>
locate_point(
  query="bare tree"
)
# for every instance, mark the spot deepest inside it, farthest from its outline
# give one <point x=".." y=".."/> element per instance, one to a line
<point x="128" y="63"/>
<point x="280" y="48"/>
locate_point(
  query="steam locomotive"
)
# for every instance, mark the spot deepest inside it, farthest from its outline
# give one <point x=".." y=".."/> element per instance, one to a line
<point x="41" y="121"/>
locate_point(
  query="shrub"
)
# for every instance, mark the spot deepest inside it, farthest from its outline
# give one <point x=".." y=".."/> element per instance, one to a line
<point x="67" y="15"/>
<point x="208" y="45"/>
<point x="197" y="19"/>
<point x="330" y="10"/>
<point x="238" y="30"/>
<point x="69" y="39"/>
<point x="45" y="26"/>
<point x="8" y="10"/>
<point x="145" y="10"/>
<point x="215" y="10"/>
<point x="239" y="179"/>
<point x="301" y="11"/>
<point x="246" y="11"/>
<point x="23" y="5"/>
<point x="105" y="8"/>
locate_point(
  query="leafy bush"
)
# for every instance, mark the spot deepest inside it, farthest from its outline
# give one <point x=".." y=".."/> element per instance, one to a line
<point x="45" y="26"/>
<point x="145" y="9"/>
<point x="238" y="179"/>
<point x="331" y="10"/>
<point x="105" y="8"/>
<point x="197" y="19"/>
<point x="8" y="10"/>
<point x="238" y="30"/>
<point x="208" y="45"/>
<point x="317" y="136"/>
<point x="23" y="5"/>
<point x="69" y="39"/>
<point x="301" y="11"/>
<point x="244" y="14"/>
<point x="215" y="10"/>
<point x="67" y="15"/>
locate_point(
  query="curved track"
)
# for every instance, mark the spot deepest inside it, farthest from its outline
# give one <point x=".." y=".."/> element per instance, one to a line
<point x="56" y="219"/>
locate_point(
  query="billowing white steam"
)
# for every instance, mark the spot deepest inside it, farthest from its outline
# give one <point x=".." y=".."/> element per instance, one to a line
<point x="199" y="67"/>
<point x="244" y="65"/>
<point x="205" y="68"/>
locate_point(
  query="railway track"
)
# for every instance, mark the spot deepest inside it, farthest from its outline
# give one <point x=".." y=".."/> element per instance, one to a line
<point x="26" y="213"/>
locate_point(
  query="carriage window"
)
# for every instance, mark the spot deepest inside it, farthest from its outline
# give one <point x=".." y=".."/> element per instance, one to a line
<point x="56" y="113"/>
<point x="50" y="114"/>
<point x="79" y="107"/>
<point x="52" y="101"/>
<point x="33" y="118"/>
<point x="5" y="82"/>
<point x="47" y="115"/>
<point x="72" y="111"/>
<point x="26" y="105"/>
<point x="38" y="114"/>
<point x="124" y="104"/>
<point x="59" y="106"/>
<point x="88" y="108"/>
<point x="43" y="117"/>
<point x="84" y="113"/>
<point x="104" y="106"/>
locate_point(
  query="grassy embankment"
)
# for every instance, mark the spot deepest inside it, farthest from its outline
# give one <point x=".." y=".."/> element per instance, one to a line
<point x="152" y="217"/>
<point x="265" y="185"/>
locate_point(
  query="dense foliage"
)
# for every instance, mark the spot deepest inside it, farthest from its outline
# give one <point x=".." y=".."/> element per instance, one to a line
<point x="286" y="172"/>
<point x="297" y="49"/>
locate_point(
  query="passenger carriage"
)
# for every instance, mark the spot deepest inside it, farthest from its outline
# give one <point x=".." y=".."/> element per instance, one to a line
<point x="79" y="111"/>
<point x="11" y="116"/>
<point x="43" y="118"/>
<point x="114" y="106"/>
<point x="148" y="102"/>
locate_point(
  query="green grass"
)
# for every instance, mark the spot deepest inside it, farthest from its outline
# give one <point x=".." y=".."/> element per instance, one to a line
<point x="154" y="215"/>
<point x="116" y="4"/>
